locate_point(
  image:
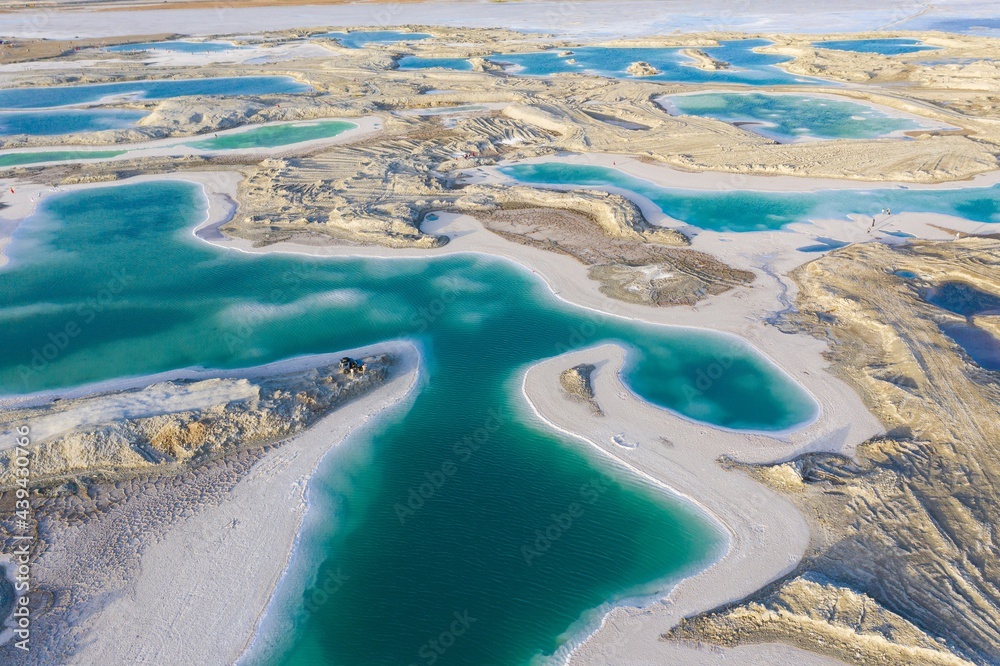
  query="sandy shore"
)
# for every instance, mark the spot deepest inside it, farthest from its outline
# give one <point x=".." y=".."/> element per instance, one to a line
<point x="204" y="587"/>
<point x="667" y="176"/>
<point x="842" y="423"/>
<point x="922" y="122"/>
<point x="767" y="534"/>
<point x="219" y="188"/>
<point x="176" y="146"/>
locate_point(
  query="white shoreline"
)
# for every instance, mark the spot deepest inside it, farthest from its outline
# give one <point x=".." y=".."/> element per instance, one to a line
<point x="664" y="175"/>
<point x="364" y="126"/>
<point x="925" y="123"/>
<point x="184" y="602"/>
<point x="767" y="535"/>
<point x="737" y="312"/>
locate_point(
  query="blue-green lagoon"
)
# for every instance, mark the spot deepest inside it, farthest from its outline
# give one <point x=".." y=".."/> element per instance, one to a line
<point x="359" y="39"/>
<point x="147" y="296"/>
<point x="418" y="62"/>
<point x="759" y="210"/>
<point x="266" y="136"/>
<point x="788" y="118"/>
<point x="66" y="121"/>
<point x="748" y="66"/>
<point x="271" y="136"/>
<point x="40" y="97"/>
<point x="176" y="46"/>
<point x="887" y="47"/>
<point x="21" y="158"/>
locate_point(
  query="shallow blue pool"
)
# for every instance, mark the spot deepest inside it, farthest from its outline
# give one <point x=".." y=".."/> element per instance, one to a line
<point x="67" y="121"/>
<point x="177" y="46"/>
<point x="51" y="96"/>
<point x="747" y="65"/>
<point x="791" y="117"/>
<point x="456" y="64"/>
<point x="756" y="210"/>
<point x="880" y="46"/>
<point x="361" y="38"/>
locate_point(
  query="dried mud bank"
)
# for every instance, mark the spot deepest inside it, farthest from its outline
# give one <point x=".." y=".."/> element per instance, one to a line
<point x="902" y="565"/>
<point x="147" y="497"/>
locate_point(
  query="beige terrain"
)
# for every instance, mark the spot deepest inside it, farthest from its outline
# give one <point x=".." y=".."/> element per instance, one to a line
<point x="891" y="555"/>
<point x="905" y="528"/>
<point x="211" y="489"/>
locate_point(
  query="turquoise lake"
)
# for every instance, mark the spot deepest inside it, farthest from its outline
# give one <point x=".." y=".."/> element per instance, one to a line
<point x="359" y="39"/>
<point x="748" y="66"/>
<point x="754" y="210"/>
<point x="416" y="62"/>
<point x="17" y="159"/>
<point x="50" y="96"/>
<point x="275" y="135"/>
<point x="791" y="117"/>
<point x="270" y="136"/>
<point x="179" y="46"/>
<point x="144" y="296"/>
<point x="67" y="121"/>
<point x="892" y="46"/>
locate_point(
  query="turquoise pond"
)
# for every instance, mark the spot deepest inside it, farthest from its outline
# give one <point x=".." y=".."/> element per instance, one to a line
<point x="361" y="38"/>
<point x="144" y="295"/>
<point x="268" y="136"/>
<point x="17" y="159"/>
<point x="416" y="62"/>
<point x="50" y="96"/>
<point x="67" y="121"/>
<point x="179" y="46"/>
<point x="892" y="46"/>
<point x="791" y="117"/>
<point x="271" y="136"/>
<point x="754" y="210"/>
<point x="748" y="66"/>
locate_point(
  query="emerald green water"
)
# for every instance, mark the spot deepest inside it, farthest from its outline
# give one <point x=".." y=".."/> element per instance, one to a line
<point x="275" y="135"/>
<point x="109" y="282"/>
<point x="17" y="159"/>
<point x="755" y="210"/>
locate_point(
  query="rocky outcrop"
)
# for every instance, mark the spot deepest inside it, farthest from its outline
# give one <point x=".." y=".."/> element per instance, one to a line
<point x="704" y="61"/>
<point x="575" y="382"/>
<point x="244" y="415"/>
<point x="616" y="216"/>
<point x="642" y="68"/>
<point x="484" y="65"/>
<point x="811" y="613"/>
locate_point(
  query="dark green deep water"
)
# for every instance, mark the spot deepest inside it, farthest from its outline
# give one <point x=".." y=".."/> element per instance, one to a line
<point x="520" y="533"/>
